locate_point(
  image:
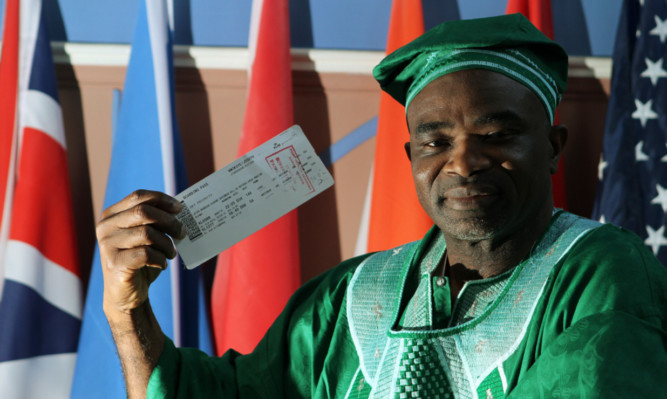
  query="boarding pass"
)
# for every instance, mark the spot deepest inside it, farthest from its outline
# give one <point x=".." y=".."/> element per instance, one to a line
<point x="248" y="194"/>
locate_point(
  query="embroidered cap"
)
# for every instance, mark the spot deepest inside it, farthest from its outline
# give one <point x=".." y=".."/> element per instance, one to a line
<point x="507" y="44"/>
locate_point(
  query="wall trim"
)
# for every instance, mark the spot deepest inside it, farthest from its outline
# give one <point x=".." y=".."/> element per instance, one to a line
<point x="590" y="67"/>
<point x="236" y="58"/>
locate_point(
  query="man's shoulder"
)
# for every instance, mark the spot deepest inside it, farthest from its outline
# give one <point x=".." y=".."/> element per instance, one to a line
<point x="611" y="265"/>
<point x="336" y="279"/>
<point x="393" y="257"/>
<point x="614" y="245"/>
<point x="338" y="276"/>
<point x="400" y="253"/>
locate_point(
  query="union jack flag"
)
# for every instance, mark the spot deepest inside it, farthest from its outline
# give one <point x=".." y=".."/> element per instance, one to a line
<point x="633" y="168"/>
<point x="41" y="300"/>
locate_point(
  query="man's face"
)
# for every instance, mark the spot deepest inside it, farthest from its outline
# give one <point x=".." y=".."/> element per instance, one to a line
<point x="482" y="151"/>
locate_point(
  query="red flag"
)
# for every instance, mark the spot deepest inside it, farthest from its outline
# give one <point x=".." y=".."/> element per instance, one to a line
<point x="255" y="278"/>
<point x="539" y="13"/>
<point x="40" y="306"/>
<point x="396" y="217"/>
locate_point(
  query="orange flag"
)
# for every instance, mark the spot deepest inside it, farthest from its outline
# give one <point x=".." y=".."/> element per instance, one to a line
<point x="396" y="217"/>
<point x="255" y="278"/>
<point x="539" y="13"/>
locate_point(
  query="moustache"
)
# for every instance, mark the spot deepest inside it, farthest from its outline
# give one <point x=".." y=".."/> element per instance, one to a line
<point x="462" y="187"/>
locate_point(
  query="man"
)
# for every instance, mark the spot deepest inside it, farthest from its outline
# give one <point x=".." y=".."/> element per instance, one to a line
<point x="505" y="296"/>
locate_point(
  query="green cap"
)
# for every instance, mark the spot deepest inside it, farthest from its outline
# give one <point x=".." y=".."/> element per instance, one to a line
<point x="507" y="44"/>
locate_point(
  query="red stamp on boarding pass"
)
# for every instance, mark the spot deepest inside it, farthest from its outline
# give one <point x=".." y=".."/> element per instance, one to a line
<point x="286" y="165"/>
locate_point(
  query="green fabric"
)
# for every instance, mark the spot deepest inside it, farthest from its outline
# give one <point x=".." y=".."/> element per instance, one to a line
<point x="507" y="44"/>
<point x="598" y="331"/>
<point x="442" y="303"/>
<point x="492" y="386"/>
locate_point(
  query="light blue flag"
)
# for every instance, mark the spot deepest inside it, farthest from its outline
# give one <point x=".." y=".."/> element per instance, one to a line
<point x="146" y="154"/>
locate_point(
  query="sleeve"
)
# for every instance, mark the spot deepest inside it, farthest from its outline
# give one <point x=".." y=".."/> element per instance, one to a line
<point x="190" y="373"/>
<point x="609" y="270"/>
<point x="609" y="355"/>
<point x="602" y="330"/>
<point x="285" y="364"/>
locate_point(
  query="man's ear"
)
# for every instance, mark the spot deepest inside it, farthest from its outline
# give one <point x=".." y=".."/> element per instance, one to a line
<point x="406" y="146"/>
<point x="557" y="138"/>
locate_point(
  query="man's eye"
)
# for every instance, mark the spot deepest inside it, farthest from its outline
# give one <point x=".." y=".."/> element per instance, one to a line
<point x="498" y="135"/>
<point x="436" y="143"/>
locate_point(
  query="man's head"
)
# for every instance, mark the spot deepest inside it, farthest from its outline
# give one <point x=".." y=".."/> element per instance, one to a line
<point x="481" y="95"/>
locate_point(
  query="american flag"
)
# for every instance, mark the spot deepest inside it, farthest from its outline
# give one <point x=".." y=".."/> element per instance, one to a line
<point x="632" y="191"/>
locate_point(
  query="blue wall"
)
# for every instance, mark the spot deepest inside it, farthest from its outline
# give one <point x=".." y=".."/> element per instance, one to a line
<point x="583" y="27"/>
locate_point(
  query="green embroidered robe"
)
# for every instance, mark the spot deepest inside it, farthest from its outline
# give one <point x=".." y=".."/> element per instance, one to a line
<point x="584" y="316"/>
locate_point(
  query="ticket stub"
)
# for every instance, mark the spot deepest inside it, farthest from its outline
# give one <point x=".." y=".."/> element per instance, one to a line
<point x="248" y="194"/>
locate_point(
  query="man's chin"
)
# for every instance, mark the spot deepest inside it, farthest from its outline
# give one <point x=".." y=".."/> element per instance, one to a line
<point x="472" y="228"/>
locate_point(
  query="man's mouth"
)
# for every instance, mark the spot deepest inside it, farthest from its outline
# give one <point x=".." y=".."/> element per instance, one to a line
<point x="469" y="197"/>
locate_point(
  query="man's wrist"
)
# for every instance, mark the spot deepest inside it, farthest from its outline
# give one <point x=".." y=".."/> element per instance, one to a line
<point x="140" y="342"/>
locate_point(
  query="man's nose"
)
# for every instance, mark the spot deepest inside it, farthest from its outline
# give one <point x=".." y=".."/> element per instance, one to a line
<point x="466" y="158"/>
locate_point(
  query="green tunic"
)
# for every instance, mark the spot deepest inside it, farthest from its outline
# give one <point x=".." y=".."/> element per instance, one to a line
<point x="584" y="316"/>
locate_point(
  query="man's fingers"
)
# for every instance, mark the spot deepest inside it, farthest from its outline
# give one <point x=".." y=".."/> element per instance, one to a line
<point x="140" y="215"/>
<point x="144" y="235"/>
<point x="153" y="198"/>
<point x="139" y="257"/>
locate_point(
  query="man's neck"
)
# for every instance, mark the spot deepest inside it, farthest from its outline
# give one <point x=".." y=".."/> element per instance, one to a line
<point x="486" y="259"/>
<point x="473" y="260"/>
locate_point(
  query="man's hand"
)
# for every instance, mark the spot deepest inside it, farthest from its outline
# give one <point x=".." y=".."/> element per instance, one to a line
<point x="134" y="248"/>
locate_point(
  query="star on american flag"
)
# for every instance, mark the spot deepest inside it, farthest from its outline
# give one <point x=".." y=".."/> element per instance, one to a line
<point x="656" y="239"/>
<point x="661" y="198"/>
<point x="644" y="112"/>
<point x="640" y="155"/>
<point x="660" y="28"/>
<point x="653" y="71"/>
